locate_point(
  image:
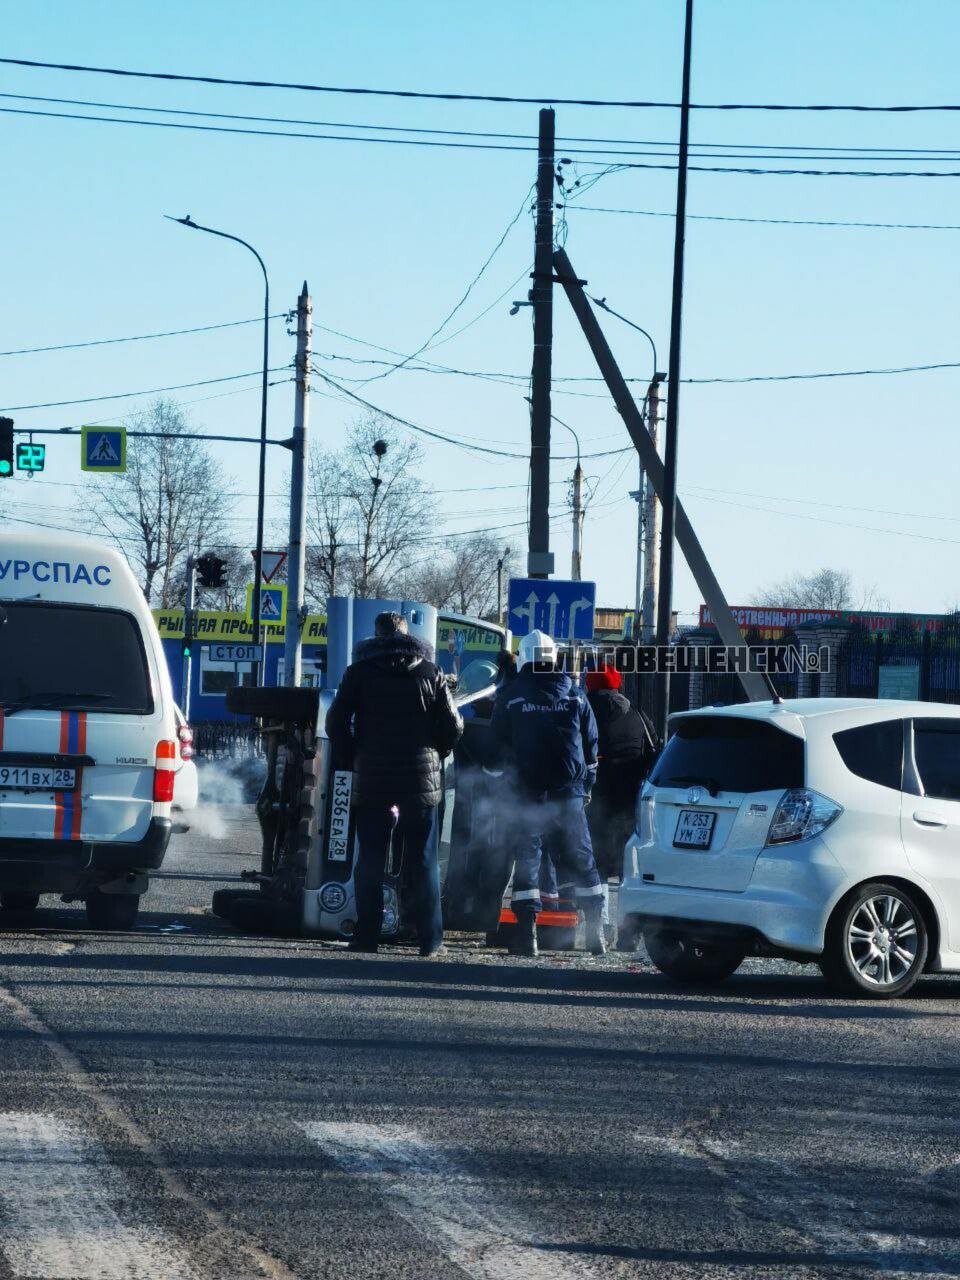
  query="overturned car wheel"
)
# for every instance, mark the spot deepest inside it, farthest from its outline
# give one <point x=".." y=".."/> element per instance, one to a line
<point x="676" y="954"/>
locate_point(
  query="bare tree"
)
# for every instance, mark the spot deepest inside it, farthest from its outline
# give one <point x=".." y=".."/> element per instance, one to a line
<point x="165" y="506"/>
<point x="824" y="589"/>
<point x="328" y="542"/>
<point x="464" y="580"/>
<point x="368" y="512"/>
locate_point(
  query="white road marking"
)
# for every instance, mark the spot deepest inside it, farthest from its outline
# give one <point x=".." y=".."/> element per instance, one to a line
<point x="221" y="1237"/>
<point x="484" y="1238"/>
<point x="57" y="1195"/>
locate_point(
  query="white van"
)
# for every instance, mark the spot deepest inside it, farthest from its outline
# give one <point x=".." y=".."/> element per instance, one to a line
<point x="88" y="734"/>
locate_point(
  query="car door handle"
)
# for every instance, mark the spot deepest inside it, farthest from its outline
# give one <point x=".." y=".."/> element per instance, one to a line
<point x="924" y="818"/>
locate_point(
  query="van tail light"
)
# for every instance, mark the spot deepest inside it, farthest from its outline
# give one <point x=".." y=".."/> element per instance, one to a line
<point x="164" y="773"/>
<point x="801" y="815"/>
<point x="186" y="742"/>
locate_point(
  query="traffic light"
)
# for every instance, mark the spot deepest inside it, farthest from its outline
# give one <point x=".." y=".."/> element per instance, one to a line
<point x="211" y="571"/>
<point x="6" y="448"/>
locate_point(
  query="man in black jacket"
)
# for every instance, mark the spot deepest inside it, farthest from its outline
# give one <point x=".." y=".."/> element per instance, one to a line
<point x="394" y="715"/>
<point x="627" y="749"/>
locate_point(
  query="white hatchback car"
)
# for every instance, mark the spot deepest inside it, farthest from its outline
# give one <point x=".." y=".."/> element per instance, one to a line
<point x="821" y="829"/>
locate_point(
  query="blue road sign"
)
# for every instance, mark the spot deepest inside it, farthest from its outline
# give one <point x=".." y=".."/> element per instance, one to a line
<point x="273" y="605"/>
<point x="561" y="608"/>
<point x="103" y="449"/>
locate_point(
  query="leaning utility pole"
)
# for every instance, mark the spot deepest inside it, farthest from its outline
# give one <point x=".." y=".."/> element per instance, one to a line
<point x="665" y="596"/>
<point x="757" y="687"/>
<point x="539" y="556"/>
<point x="651" y="525"/>
<point x="576" y="560"/>
<point x="292" y="648"/>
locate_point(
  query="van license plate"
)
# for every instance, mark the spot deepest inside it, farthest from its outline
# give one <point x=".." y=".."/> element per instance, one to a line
<point x="36" y="777"/>
<point x="694" y="829"/>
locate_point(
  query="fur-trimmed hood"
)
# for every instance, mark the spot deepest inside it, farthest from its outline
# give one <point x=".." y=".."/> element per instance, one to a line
<point x="400" y="652"/>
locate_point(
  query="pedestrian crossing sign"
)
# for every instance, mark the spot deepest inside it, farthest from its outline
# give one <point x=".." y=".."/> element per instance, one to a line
<point x="273" y="605"/>
<point x="103" y="449"/>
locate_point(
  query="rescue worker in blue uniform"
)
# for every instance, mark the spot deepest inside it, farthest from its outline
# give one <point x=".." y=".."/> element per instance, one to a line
<point x="542" y="723"/>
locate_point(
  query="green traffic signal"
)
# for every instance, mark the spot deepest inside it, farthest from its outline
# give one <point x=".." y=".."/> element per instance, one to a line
<point x="6" y="448"/>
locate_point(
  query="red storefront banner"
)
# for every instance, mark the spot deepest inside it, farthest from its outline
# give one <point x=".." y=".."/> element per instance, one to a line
<point x="773" y="620"/>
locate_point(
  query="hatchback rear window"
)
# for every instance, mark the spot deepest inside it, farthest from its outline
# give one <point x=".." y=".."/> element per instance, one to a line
<point x="874" y="752"/>
<point x="936" y="745"/>
<point x="730" y="753"/>
<point x="71" y="657"/>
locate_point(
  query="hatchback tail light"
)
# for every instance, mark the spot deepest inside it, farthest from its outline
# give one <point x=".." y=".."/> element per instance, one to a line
<point x="801" y="815"/>
<point x="643" y="817"/>
<point x="164" y="772"/>
<point x="185" y="734"/>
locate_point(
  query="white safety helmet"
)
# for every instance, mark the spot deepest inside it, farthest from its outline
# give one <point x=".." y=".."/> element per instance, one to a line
<point x="537" y="647"/>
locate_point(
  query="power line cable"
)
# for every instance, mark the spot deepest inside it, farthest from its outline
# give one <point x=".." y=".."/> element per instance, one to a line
<point x="516" y="379"/>
<point x="138" y="337"/>
<point x="466" y="293"/>
<point x="778" y="222"/>
<point x="447" y="439"/>
<point x="753" y="171"/>
<point x="543" y="100"/>
<point x="842" y="524"/>
<point x="715" y="150"/>
<point x="128" y="395"/>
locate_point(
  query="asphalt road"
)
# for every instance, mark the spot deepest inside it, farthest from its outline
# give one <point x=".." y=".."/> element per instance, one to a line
<point x="184" y="1101"/>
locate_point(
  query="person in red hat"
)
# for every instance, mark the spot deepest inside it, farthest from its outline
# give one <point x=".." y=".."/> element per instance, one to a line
<point x="627" y="749"/>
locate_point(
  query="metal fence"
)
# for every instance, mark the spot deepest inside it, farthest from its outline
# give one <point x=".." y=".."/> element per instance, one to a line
<point x="906" y="662"/>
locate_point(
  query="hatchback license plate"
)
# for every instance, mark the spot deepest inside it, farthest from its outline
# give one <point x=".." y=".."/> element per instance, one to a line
<point x="36" y="777"/>
<point x="694" y="829"/>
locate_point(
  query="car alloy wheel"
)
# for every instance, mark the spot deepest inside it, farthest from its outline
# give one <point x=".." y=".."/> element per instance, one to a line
<point x="876" y="942"/>
<point x="882" y="939"/>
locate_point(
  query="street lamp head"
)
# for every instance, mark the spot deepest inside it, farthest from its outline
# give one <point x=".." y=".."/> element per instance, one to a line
<point x="184" y="222"/>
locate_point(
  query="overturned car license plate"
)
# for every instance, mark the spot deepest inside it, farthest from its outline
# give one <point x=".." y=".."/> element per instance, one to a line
<point x="694" y="829"/>
<point x="36" y="777"/>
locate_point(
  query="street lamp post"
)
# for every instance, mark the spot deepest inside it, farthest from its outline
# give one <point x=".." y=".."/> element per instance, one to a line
<point x="576" y="558"/>
<point x="500" y="563"/>
<point x="259" y="666"/>
<point x="643" y="495"/>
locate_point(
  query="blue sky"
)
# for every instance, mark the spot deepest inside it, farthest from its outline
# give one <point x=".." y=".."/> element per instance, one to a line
<point x="854" y="473"/>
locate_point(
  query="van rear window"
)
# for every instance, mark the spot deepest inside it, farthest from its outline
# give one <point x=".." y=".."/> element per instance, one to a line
<point x="730" y="753"/>
<point x="72" y="657"/>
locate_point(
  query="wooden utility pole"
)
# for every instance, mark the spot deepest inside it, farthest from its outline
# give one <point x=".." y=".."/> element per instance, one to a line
<point x="665" y="591"/>
<point x="539" y="556"/>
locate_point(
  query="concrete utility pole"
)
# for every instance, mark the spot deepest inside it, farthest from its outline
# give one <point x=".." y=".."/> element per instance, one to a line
<point x="539" y="556"/>
<point x="758" y="686"/>
<point x="576" y="560"/>
<point x="651" y="525"/>
<point x="189" y="626"/>
<point x="292" y="649"/>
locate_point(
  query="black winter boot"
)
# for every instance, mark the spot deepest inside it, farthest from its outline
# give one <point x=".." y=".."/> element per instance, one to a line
<point x="594" y="940"/>
<point x="524" y="939"/>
